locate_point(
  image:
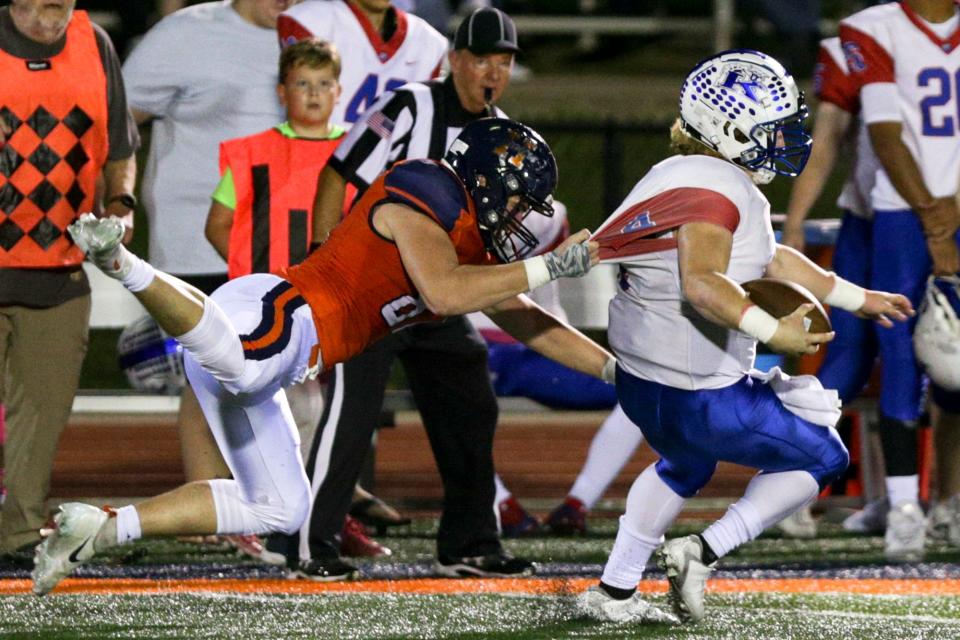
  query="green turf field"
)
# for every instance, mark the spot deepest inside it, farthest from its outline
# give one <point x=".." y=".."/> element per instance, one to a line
<point x="732" y="614"/>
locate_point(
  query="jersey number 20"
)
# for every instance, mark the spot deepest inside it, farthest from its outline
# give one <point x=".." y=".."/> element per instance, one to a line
<point x="367" y="93"/>
<point x="940" y="77"/>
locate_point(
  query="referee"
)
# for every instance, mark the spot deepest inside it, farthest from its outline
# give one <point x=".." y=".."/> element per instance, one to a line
<point x="445" y="362"/>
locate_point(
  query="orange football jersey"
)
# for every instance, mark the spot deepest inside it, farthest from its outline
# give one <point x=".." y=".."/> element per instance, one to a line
<point x="356" y="285"/>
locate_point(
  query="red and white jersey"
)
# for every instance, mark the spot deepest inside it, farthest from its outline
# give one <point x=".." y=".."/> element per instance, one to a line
<point x="908" y="71"/>
<point x="832" y="83"/>
<point x="655" y="333"/>
<point x="369" y="66"/>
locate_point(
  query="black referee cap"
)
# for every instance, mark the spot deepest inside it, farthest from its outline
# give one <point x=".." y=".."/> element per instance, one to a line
<point x="486" y="31"/>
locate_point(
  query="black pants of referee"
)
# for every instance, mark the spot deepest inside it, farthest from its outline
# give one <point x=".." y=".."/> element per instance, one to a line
<point x="446" y="367"/>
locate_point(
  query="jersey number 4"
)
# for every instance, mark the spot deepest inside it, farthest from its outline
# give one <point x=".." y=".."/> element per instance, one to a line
<point x="367" y="93"/>
<point x="946" y="86"/>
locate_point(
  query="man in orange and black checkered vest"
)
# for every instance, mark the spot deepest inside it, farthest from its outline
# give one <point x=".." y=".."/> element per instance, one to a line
<point x="64" y="123"/>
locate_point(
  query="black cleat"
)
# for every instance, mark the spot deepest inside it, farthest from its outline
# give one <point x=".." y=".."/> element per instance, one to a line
<point x="499" y="564"/>
<point x="324" y="570"/>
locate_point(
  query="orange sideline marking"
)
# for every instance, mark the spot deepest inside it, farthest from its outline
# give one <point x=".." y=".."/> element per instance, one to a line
<point x="438" y="586"/>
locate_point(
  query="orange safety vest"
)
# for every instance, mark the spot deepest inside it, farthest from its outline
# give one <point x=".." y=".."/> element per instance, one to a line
<point x="275" y="181"/>
<point x="50" y="163"/>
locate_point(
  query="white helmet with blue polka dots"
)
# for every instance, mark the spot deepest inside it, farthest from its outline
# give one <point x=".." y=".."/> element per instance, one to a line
<point x="745" y="106"/>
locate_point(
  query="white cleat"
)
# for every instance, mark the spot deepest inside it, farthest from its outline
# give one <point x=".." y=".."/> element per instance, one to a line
<point x="95" y="236"/>
<point x="871" y="519"/>
<point x="682" y="560"/>
<point x="68" y="545"/>
<point x="600" y="605"/>
<point x="906" y="533"/>
<point x="799" y="524"/>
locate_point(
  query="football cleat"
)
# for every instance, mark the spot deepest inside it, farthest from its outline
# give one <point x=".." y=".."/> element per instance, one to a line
<point x="906" y="533"/>
<point x="355" y="543"/>
<point x="499" y="564"/>
<point x="871" y="519"/>
<point x="799" y="524"/>
<point x="96" y="236"/>
<point x="682" y="560"/>
<point x="600" y="605"/>
<point x="324" y="570"/>
<point x="252" y="546"/>
<point x="570" y="518"/>
<point x="515" y="521"/>
<point x="68" y="544"/>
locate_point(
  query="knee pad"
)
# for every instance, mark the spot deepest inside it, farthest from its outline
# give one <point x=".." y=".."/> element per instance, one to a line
<point x="268" y="514"/>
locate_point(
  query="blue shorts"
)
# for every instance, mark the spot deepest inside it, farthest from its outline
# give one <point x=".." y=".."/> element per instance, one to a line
<point x="744" y="423"/>
<point x="901" y="264"/>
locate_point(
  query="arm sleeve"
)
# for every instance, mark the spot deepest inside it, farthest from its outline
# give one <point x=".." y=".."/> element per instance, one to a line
<point x="832" y="83"/>
<point x="122" y="131"/>
<point x="154" y="71"/>
<point x="380" y="138"/>
<point x="867" y="61"/>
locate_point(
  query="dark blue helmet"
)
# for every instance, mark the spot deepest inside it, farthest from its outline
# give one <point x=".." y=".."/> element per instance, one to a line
<point x="497" y="159"/>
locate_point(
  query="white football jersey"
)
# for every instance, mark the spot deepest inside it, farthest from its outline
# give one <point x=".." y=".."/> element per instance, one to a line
<point x="369" y="66"/>
<point x="832" y="83"/>
<point x="908" y="72"/>
<point x="656" y="334"/>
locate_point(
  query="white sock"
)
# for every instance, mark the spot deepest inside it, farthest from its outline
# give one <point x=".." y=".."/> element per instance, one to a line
<point x="612" y="447"/>
<point x="769" y="498"/>
<point x="652" y="507"/>
<point x="123" y="527"/>
<point x="132" y="271"/>
<point x="128" y="525"/>
<point x="629" y="557"/>
<point x="903" y="489"/>
<point x="741" y="523"/>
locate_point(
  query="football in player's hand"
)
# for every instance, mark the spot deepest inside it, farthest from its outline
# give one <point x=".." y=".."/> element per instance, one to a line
<point x="781" y="297"/>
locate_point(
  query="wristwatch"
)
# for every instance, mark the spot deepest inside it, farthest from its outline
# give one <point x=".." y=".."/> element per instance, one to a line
<point x="126" y="199"/>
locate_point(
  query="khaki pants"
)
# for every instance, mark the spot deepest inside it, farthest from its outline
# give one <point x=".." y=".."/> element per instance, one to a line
<point x="41" y="352"/>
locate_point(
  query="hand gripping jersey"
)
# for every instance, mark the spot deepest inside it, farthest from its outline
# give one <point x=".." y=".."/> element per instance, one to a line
<point x="832" y="83"/>
<point x="655" y="333"/>
<point x="370" y="66"/>
<point x="908" y="73"/>
<point x="356" y="285"/>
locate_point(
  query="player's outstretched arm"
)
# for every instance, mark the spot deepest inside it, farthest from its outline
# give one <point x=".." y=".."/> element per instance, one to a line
<point x="828" y="287"/>
<point x="552" y="338"/>
<point x="450" y="288"/>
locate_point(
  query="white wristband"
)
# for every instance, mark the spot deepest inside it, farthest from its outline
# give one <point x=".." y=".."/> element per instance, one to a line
<point x="846" y="295"/>
<point x="758" y="323"/>
<point x="537" y="272"/>
<point x="609" y="372"/>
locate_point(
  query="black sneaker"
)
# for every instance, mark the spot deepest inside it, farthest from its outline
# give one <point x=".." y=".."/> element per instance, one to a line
<point x="324" y="570"/>
<point x="499" y="564"/>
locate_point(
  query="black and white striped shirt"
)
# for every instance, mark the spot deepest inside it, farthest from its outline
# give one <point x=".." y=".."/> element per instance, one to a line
<point x="418" y="120"/>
